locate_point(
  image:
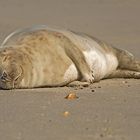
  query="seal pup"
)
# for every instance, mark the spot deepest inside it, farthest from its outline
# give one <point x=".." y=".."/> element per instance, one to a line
<point x="47" y="57"/>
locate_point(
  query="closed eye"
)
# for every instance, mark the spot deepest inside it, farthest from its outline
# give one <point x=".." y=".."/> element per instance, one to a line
<point x="17" y="77"/>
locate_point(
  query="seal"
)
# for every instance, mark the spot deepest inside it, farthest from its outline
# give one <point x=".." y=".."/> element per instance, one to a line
<point x="49" y="57"/>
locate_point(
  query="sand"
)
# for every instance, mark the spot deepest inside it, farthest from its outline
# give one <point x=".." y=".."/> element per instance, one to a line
<point x="108" y="110"/>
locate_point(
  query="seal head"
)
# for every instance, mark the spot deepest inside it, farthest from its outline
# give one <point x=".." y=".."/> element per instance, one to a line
<point x="10" y="72"/>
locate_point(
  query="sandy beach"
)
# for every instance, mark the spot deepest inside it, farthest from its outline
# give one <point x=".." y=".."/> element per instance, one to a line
<point x="108" y="110"/>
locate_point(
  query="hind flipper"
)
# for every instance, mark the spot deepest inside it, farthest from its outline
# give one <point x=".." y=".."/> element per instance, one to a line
<point x="128" y="61"/>
<point x="119" y="73"/>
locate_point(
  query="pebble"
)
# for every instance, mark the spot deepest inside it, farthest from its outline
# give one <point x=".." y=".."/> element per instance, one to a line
<point x="71" y="96"/>
<point x="66" y="114"/>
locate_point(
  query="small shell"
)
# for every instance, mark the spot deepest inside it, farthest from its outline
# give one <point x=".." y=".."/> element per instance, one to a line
<point x="66" y="114"/>
<point x="71" y="96"/>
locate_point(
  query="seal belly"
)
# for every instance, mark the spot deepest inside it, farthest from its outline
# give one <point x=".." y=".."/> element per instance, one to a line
<point x="101" y="64"/>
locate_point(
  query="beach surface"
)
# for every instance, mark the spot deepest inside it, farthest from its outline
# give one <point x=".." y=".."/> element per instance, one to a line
<point x="108" y="110"/>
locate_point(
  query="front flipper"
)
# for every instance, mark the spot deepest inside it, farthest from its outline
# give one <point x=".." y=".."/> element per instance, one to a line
<point x="88" y="77"/>
<point x="78" y="58"/>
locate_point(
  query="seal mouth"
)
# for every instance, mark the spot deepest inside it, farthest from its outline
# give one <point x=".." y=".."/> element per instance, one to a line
<point x="5" y="87"/>
<point x="11" y="84"/>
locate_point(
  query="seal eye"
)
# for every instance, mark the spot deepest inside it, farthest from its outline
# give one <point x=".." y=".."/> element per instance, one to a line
<point x="4" y="76"/>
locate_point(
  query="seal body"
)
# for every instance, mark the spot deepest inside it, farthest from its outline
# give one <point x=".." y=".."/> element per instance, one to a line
<point x="51" y="57"/>
<point x="102" y="60"/>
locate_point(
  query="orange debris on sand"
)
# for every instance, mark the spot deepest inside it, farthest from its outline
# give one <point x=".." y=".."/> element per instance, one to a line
<point x="71" y="96"/>
<point x="66" y="114"/>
